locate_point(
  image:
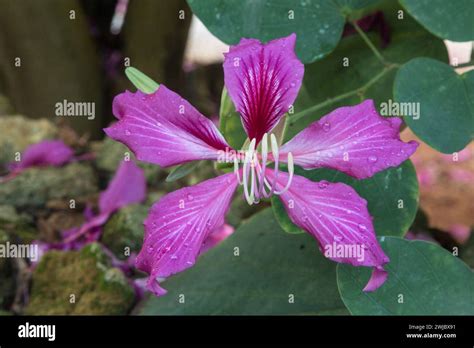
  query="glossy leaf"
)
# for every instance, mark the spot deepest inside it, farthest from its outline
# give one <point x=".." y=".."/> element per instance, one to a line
<point x="445" y="99"/>
<point x="452" y="20"/>
<point x="318" y="24"/>
<point x="423" y="279"/>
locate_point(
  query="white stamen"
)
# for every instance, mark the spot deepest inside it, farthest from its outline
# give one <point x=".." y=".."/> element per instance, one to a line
<point x="236" y="170"/>
<point x="276" y="157"/>
<point x="247" y="160"/>
<point x="291" y="170"/>
<point x="257" y="171"/>
<point x="262" y="191"/>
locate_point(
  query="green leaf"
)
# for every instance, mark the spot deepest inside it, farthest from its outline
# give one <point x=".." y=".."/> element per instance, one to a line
<point x="182" y="170"/>
<point x="392" y="197"/>
<point x="425" y="278"/>
<point x="329" y="78"/>
<point x="452" y="20"/>
<point x="230" y="124"/>
<point x="318" y="24"/>
<point x="467" y="250"/>
<point x="270" y="267"/>
<point x="445" y="99"/>
<point x="141" y="81"/>
<point x="282" y="217"/>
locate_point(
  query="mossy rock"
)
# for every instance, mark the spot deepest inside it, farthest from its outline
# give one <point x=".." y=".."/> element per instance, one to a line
<point x="86" y="275"/>
<point x="124" y="231"/>
<point x="110" y="153"/>
<point x="18" y="226"/>
<point x="7" y="279"/>
<point x="34" y="187"/>
<point x="21" y="133"/>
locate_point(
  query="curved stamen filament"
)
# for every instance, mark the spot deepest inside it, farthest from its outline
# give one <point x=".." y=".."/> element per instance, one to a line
<point x="253" y="170"/>
<point x="245" y="172"/>
<point x="291" y="170"/>
<point x="236" y="170"/>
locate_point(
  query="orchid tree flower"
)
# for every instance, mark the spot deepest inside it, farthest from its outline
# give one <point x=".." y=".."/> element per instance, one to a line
<point x="263" y="81"/>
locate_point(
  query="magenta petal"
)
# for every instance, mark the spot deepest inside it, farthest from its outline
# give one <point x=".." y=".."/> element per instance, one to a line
<point x="354" y="139"/>
<point x="378" y="277"/>
<point x="216" y="237"/>
<point x="336" y="216"/>
<point x="178" y="225"/>
<point x="127" y="186"/>
<point x="164" y="129"/>
<point x="44" y="153"/>
<point x="263" y="81"/>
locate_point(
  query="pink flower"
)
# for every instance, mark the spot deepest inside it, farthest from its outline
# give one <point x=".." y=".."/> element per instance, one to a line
<point x="263" y="81"/>
<point x="45" y="153"/>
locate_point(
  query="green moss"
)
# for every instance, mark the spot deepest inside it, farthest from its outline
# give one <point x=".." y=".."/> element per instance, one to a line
<point x="7" y="279"/>
<point x="86" y="276"/>
<point x="110" y="153"/>
<point x="21" y="133"/>
<point x="19" y="227"/>
<point x="124" y="231"/>
<point x="33" y="188"/>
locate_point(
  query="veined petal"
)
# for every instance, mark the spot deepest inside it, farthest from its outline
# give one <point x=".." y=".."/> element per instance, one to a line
<point x="353" y="139"/>
<point x="164" y="129"/>
<point x="44" y="153"/>
<point x="339" y="220"/>
<point x="127" y="186"/>
<point x="263" y="81"/>
<point x="178" y="225"/>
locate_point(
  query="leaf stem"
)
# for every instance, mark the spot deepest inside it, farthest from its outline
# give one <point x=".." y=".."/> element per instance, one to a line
<point x="358" y="91"/>
<point x="369" y="43"/>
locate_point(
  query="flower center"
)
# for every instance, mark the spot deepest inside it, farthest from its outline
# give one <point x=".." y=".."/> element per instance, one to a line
<point x="254" y="169"/>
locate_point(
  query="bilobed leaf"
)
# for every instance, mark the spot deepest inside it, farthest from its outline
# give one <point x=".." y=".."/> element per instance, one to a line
<point x="452" y="20"/>
<point x="257" y="270"/>
<point x="318" y="24"/>
<point x="392" y="197"/>
<point x="181" y="171"/>
<point x="423" y="279"/>
<point x="445" y="99"/>
<point x="141" y="81"/>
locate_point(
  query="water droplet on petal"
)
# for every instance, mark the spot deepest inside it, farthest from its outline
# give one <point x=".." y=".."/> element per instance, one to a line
<point x="326" y="126"/>
<point x="337" y="238"/>
<point x="190" y="197"/>
<point x="174" y="257"/>
<point x="372" y="159"/>
<point x="362" y="227"/>
<point x="127" y="132"/>
<point x="150" y="249"/>
<point x="323" y="184"/>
